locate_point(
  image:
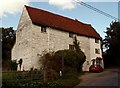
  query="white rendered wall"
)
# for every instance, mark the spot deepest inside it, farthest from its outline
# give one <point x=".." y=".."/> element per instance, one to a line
<point x="31" y="42"/>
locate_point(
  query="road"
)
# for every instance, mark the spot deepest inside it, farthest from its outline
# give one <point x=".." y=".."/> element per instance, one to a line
<point x="110" y="77"/>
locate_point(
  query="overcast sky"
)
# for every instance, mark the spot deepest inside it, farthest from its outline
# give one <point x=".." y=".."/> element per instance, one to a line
<point x="10" y="11"/>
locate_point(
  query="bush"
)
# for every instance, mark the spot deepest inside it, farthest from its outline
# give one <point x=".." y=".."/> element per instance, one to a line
<point x="55" y="62"/>
<point x="51" y="66"/>
<point x="22" y="79"/>
<point x="71" y="58"/>
<point x="13" y="65"/>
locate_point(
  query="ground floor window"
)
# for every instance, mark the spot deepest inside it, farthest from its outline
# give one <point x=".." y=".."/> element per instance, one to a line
<point x="71" y="47"/>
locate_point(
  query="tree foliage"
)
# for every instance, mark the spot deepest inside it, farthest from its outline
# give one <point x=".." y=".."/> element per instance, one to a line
<point x="79" y="52"/>
<point x="59" y="61"/>
<point x="51" y="61"/>
<point x="8" y="40"/>
<point x="51" y="66"/>
<point x="72" y="58"/>
<point x="112" y="43"/>
<point x="54" y="62"/>
<point x="13" y="65"/>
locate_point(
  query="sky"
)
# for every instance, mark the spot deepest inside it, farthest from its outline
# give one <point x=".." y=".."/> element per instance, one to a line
<point x="10" y="11"/>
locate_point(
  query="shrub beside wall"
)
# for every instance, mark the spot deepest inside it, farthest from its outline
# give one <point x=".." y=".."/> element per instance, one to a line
<point x="55" y="62"/>
<point x="72" y="58"/>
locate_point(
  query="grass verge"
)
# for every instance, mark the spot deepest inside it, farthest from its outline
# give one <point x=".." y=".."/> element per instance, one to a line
<point x="34" y="80"/>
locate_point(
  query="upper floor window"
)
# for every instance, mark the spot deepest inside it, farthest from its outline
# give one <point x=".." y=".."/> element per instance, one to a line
<point x="71" y="47"/>
<point x="71" y="34"/>
<point x="96" y="40"/>
<point x="43" y="29"/>
<point x="97" y="51"/>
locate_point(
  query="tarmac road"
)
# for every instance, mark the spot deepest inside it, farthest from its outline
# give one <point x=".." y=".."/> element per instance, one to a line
<point x="109" y="77"/>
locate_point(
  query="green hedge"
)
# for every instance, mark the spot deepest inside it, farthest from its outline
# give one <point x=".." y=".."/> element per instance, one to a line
<point x="71" y="58"/>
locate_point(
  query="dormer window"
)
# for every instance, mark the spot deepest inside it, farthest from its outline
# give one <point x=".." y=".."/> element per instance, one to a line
<point x="96" y="40"/>
<point x="71" y="35"/>
<point x="43" y="29"/>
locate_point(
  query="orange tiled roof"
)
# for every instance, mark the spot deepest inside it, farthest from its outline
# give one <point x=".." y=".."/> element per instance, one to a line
<point x="45" y="18"/>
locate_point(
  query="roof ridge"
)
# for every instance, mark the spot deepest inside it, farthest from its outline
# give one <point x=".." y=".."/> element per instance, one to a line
<point x="46" y="18"/>
<point x="55" y="14"/>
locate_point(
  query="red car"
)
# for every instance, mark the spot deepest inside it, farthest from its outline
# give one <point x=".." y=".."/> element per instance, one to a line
<point x="96" y="68"/>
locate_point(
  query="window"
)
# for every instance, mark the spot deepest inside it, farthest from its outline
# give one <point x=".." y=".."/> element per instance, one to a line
<point x="88" y="63"/>
<point x="96" y="40"/>
<point x="97" y="51"/>
<point x="43" y="29"/>
<point x="71" y="47"/>
<point x="98" y="60"/>
<point x="70" y="34"/>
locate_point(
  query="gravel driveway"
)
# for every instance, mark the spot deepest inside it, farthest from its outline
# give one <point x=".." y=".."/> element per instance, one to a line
<point x="110" y="77"/>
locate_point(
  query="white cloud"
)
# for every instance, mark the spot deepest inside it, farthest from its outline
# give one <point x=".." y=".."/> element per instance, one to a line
<point x="11" y="6"/>
<point x="64" y="4"/>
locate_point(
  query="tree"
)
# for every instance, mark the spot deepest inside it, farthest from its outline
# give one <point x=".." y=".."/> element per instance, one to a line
<point x="8" y="40"/>
<point x="51" y="66"/>
<point x="13" y="65"/>
<point x="55" y="62"/>
<point x="76" y="44"/>
<point x="71" y="58"/>
<point x="81" y="55"/>
<point x="112" y="44"/>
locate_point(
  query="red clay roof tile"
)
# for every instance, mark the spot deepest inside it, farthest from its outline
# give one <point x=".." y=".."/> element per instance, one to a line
<point x="45" y="18"/>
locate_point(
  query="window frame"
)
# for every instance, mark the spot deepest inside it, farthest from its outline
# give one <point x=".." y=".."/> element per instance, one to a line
<point x="96" y="40"/>
<point x="71" y="47"/>
<point x="43" y="29"/>
<point x="97" y="51"/>
<point x="71" y="35"/>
